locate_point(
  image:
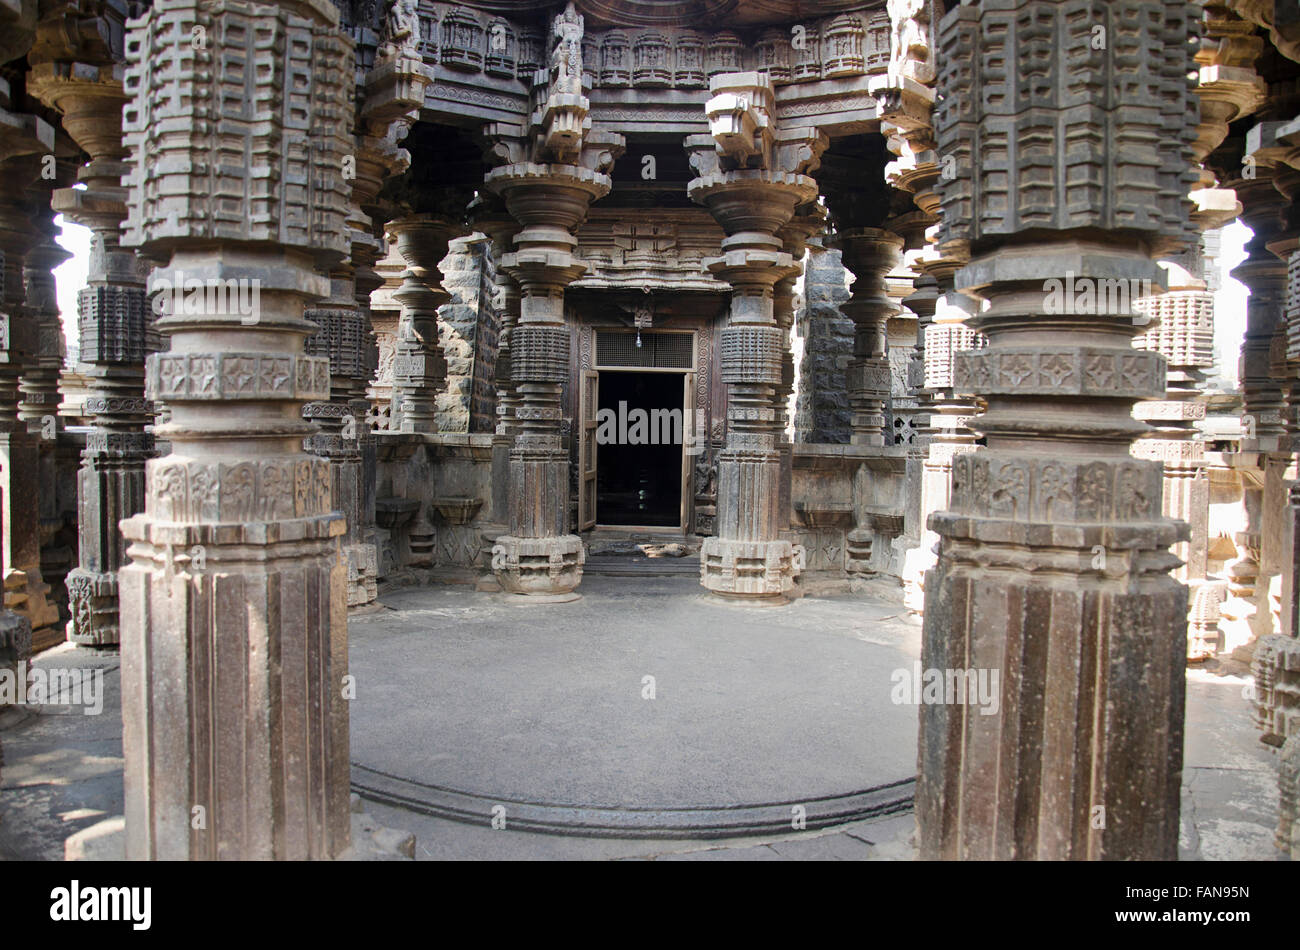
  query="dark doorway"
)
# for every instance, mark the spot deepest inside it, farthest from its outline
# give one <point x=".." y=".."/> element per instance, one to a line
<point x="639" y="456"/>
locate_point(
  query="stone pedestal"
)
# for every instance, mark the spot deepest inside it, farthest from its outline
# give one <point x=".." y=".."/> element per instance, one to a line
<point x="233" y="610"/>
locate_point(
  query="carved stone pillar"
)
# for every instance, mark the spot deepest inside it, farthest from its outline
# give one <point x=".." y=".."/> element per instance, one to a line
<point x="344" y="434"/>
<point x="1182" y="331"/>
<point x="870" y="253"/>
<point x="949" y="432"/>
<point x="40" y="404"/>
<point x="751" y="178"/>
<point x="40" y="380"/>
<point x="233" y="610"/>
<point x="113" y="324"/>
<point x="547" y="181"/>
<point x="807" y="221"/>
<point x="419" y="369"/>
<point x="540" y="556"/>
<point x="1052" y="586"/>
<point x="1265" y="279"/>
<point x="24" y="138"/>
<point x="494" y="221"/>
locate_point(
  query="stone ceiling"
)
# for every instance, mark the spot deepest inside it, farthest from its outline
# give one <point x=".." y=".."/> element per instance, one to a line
<point x="693" y="13"/>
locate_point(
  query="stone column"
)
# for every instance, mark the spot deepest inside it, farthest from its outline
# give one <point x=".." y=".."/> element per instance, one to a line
<point x="823" y="411"/>
<point x="949" y="432"/>
<point x="870" y="253"/>
<point x="233" y="610"/>
<point x="1183" y="333"/>
<point x="112" y="321"/>
<point x="807" y="221"/>
<point x="493" y="220"/>
<point x="1265" y="279"/>
<point x="751" y="178"/>
<point x="40" y="381"/>
<point x="40" y="405"/>
<point x="25" y="138"/>
<point x="344" y="433"/>
<point x="540" y="557"/>
<point x="1052" y="587"/>
<point x="419" y="369"/>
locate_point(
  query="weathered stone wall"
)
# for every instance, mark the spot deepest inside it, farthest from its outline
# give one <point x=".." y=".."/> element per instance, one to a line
<point x="822" y="410"/>
<point x="434" y="506"/>
<point x="846" y="503"/>
<point x="468" y="326"/>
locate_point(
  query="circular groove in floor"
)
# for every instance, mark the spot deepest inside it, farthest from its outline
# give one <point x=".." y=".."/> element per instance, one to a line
<point x="679" y="822"/>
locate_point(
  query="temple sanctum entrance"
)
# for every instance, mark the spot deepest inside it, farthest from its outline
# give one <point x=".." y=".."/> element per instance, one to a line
<point x="639" y="434"/>
<point x="640" y="449"/>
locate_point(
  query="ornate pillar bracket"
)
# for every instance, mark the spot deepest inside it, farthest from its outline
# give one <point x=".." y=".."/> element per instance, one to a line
<point x="752" y="178"/>
<point x="1053" y="572"/>
<point x="233" y="609"/>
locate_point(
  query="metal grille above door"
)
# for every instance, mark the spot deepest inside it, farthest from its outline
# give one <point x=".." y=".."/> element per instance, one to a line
<point x="657" y="350"/>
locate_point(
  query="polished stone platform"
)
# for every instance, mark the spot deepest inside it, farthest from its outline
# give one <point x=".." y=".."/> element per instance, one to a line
<point x="469" y="703"/>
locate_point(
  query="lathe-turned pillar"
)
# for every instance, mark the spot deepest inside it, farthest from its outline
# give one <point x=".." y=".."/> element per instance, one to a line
<point x="113" y="321"/>
<point x="751" y="178"/>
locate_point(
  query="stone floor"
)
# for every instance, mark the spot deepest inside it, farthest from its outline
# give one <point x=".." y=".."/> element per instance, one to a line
<point x="462" y="689"/>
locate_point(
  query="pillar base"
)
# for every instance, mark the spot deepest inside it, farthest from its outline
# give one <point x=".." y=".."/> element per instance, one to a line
<point x="26" y="595"/>
<point x="1276" y="668"/>
<point x="236" y="732"/>
<point x="1074" y="750"/>
<point x="759" y="572"/>
<point x="363" y="574"/>
<point x="538" y="566"/>
<point x="92" y="601"/>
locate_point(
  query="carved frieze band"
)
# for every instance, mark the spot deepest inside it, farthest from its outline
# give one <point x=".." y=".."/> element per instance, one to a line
<point x="539" y="354"/>
<point x="468" y="41"/>
<point x="751" y="354"/>
<point x="265" y="490"/>
<point x="237" y="376"/>
<point x="1052" y="491"/>
<point x="1079" y="371"/>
